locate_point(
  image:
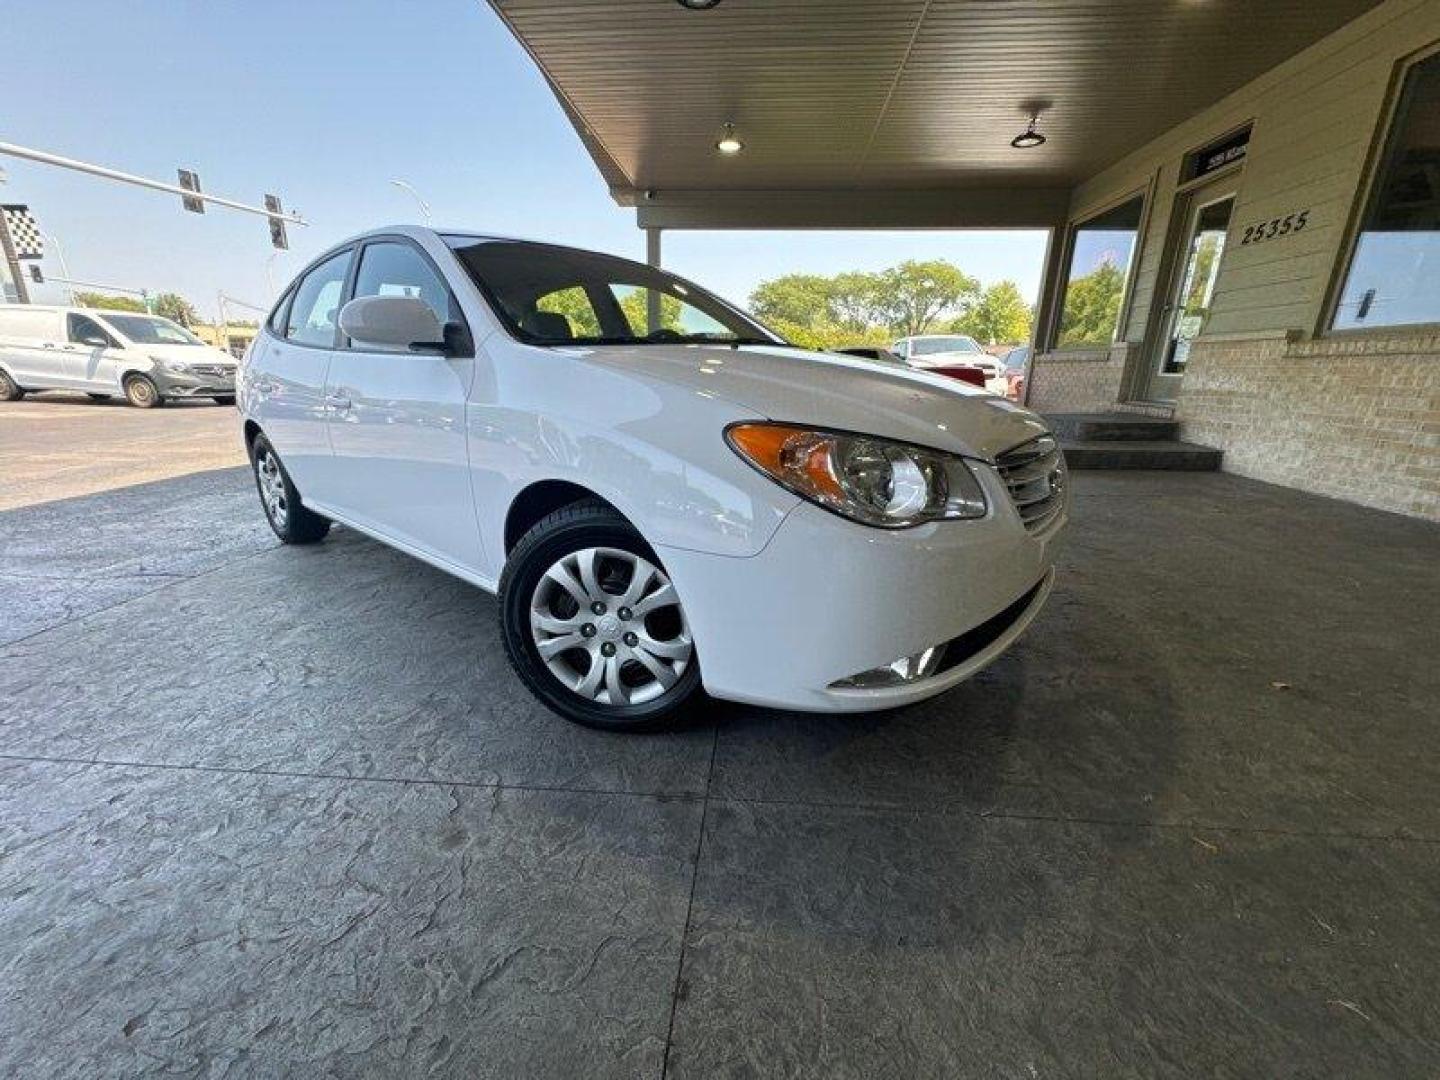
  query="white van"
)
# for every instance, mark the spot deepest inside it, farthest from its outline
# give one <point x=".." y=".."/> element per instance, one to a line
<point x="148" y="359"/>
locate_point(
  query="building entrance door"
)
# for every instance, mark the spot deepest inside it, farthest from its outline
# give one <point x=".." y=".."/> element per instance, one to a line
<point x="1195" y="266"/>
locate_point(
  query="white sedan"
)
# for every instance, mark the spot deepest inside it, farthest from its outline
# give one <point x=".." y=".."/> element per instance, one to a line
<point x="665" y="496"/>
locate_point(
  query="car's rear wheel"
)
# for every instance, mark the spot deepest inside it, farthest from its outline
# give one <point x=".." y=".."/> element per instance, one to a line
<point x="9" y="390"/>
<point x="141" y="392"/>
<point x="593" y="624"/>
<point x="289" y="518"/>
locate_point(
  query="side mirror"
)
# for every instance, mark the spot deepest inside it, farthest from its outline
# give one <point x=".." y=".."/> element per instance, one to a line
<point x="94" y="341"/>
<point x="393" y="322"/>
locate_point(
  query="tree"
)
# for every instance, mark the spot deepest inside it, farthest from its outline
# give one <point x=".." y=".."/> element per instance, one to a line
<point x="914" y="294"/>
<point x="1092" y="306"/>
<point x="576" y="307"/>
<point x="105" y="302"/>
<point x="1000" y="318"/>
<point x="635" y="305"/>
<point x="176" y="308"/>
<point x="795" y="299"/>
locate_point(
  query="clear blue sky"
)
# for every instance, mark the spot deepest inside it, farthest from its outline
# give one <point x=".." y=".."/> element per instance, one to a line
<point x="323" y="103"/>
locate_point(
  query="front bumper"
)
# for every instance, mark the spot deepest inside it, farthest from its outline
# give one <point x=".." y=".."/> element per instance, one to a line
<point x="827" y="599"/>
<point x="172" y="385"/>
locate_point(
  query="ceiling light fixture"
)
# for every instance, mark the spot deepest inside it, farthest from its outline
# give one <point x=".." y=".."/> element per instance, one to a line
<point x="1029" y="137"/>
<point x="729" y="142"/>
<point x="698" y="5"/>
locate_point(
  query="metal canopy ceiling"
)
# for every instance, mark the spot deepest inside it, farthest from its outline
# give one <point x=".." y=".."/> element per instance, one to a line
<point x="886" y="95"/>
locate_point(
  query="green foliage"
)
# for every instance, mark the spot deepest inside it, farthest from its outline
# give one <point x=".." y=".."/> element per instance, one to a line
<point x="176" y="308"/>
<point x="797" y="299"/>
<point x="1092" y="307"/>
<point x="577" y="309"/>
<point x="105" y="302"/>
<point x="863" y="308"/>
<point x="912" y="295"/>
<point x="1000" y="318"/>
<point x="633" y="304"/>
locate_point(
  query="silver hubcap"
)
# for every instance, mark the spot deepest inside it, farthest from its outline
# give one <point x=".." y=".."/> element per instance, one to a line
<point x="609" y="626"/>
<point x="140" y="390"/>
<point x="272" y="488"/>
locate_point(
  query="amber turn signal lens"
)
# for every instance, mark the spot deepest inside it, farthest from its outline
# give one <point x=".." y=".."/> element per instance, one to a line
<point x="788" y="453"/>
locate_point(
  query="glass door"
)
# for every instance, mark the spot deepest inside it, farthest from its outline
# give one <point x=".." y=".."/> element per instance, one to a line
<point x="1192" y="288"/>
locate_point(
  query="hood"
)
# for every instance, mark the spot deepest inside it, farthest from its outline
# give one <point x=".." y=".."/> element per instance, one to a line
<point x="187" y="354"/>
<point x="833" y="391"/>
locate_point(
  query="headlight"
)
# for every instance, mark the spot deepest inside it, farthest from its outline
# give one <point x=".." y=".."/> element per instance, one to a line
<point x="175" y="367"/>
<point x="873" y="481"/>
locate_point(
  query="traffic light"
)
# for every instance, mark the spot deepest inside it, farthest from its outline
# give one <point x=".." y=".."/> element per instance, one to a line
<point x="190" y="181"/>
<point x="277" y="225"/>
<point x="35" y="275"/>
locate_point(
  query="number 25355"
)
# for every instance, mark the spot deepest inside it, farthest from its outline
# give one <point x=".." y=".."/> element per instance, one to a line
<point x="1275" y="227"/>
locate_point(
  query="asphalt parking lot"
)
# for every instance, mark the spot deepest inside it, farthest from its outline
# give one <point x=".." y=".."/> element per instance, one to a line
<point x="284" y="811"/>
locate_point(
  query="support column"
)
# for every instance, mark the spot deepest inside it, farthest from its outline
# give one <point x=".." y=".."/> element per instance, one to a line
<point x="652" y="298"/>
<point x="1048" y="304"/>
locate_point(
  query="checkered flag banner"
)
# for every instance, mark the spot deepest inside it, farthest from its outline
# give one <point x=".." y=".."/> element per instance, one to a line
<point x="24" y="232"/>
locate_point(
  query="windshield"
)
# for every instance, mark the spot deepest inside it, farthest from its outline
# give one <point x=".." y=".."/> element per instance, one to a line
<point x="932" y="345"/>
<point x="551" y="295"/>
<point x="150" y="330"/>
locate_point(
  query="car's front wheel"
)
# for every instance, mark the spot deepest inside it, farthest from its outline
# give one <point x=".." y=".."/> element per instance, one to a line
<point x="593" y="624"/>
<point x="142" y="393"/>
<point x="289" y="518"/>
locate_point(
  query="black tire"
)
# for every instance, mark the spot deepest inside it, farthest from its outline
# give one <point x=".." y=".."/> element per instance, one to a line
<point x="589" y="523"/>
<point x="291" y="520"/>
<point x="9" y="391"/>
<point x="98" y="397"/>
<point x="142" y="393"/>
<point x="224" y="399"/>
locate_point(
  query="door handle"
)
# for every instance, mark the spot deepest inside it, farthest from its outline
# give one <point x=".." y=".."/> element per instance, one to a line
<point x="337" y="401"/>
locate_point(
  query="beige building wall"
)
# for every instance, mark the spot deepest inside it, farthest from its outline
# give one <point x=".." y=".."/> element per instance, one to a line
<point x="1266" y="382"/>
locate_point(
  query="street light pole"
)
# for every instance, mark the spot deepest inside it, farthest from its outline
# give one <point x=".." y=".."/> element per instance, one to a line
<point x="424" y="206"/>
<point x="54" y="242"/>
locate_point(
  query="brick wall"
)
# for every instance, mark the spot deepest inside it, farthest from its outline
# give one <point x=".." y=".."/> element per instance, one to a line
<point x="1356" y="418"/>
<point x="1063" y="382"/>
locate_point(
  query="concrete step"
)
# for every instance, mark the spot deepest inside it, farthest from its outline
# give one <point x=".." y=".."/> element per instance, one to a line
<point x="1140" y="454"/>
<point x="1110" y="427"/>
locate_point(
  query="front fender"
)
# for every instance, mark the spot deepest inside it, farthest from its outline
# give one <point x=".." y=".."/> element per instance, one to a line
<point x="655" y="451"/>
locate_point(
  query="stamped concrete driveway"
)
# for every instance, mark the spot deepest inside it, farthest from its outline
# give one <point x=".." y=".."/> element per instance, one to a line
<point x="276" y="811"/>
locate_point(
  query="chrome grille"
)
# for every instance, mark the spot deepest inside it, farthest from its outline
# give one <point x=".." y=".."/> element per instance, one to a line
<point x="214" y="370"/>
<point x="1034" y="474"/>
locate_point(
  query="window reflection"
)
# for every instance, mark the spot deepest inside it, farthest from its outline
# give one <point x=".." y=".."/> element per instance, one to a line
<point x="1100" y="257"/>
<point x="1394" y="276"/>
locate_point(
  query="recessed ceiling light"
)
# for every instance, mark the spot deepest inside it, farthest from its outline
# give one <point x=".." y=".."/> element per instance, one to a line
<point x="729" y="142"/>
<point x="1029" y="137"/>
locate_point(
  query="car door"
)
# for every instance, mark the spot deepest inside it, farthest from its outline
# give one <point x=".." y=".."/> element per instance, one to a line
<point x="92" y="355"/>
<point x="397" y="419"/>
<point x="287" y="375"/>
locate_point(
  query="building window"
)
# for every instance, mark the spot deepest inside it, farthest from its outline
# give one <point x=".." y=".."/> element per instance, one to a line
<point x="1394" y="277"/>
<point x="1101" y="252"/>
